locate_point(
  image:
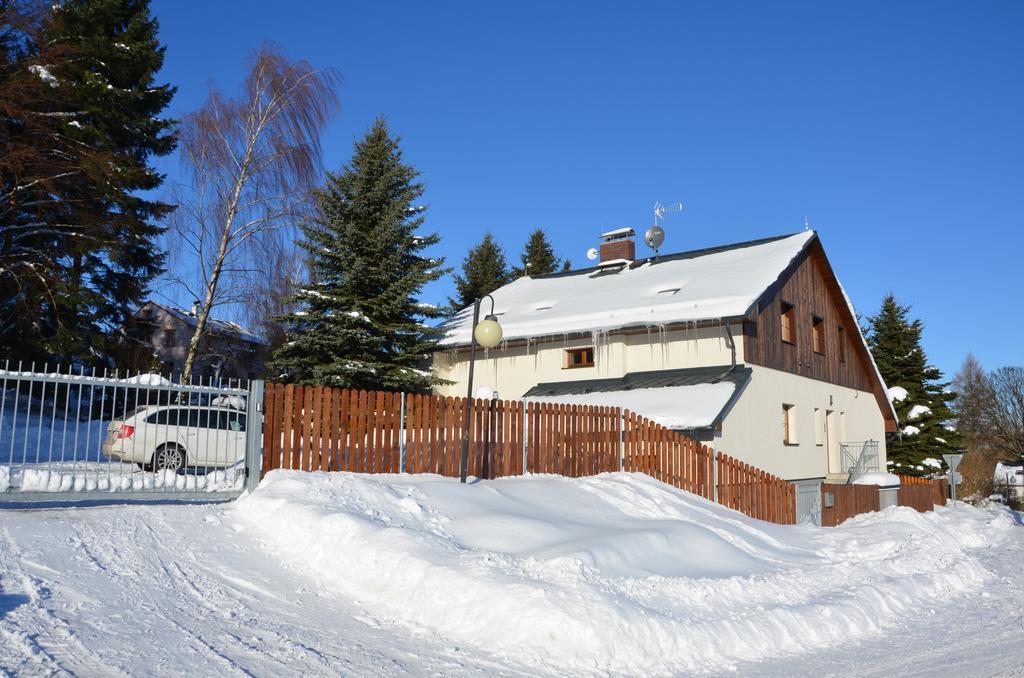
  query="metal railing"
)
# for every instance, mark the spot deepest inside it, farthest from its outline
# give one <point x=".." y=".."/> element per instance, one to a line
<point x="859" y="458"/>
<point x="67" y="433"/>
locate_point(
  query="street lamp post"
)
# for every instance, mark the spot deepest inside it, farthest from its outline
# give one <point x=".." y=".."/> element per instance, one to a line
<point x="486" y="333"/>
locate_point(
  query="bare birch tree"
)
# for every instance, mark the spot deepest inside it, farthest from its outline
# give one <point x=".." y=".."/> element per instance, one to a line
<point x="252" y="160"/>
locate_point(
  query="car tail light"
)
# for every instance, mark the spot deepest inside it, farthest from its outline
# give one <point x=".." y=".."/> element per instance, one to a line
<point x="125" y="431"/>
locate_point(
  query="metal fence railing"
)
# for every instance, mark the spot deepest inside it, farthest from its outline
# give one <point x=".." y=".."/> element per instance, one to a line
<point x="859" y="458"/>
<point x="70" y="431"/>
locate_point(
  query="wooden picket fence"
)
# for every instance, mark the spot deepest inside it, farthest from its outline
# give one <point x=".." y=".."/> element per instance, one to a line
<point x="315" y="428"/>
<point x="754" y="492"/>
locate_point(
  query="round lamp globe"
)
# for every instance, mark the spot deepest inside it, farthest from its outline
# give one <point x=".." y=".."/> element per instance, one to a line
<point x="488" y="332"/>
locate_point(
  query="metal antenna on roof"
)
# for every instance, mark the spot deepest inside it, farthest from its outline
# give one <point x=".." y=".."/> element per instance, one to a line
<point x="655" y="235"/>
<point x="807" y="224"/>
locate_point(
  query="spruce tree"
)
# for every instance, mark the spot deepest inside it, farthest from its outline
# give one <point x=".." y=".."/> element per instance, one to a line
<point x="358" y="323"/>
<point x="916" y="390"/>
<point x="538" y="257"/>
<point x="483" y="270"/>
<point x="89" y="130"/>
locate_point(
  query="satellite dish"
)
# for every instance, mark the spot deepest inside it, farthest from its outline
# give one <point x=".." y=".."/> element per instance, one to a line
<point x="654" y="237"/>
<point x="592" y="253"/>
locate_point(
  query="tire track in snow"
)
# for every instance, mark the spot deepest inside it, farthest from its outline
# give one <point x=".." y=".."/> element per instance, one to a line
<point x="37" y="642"/>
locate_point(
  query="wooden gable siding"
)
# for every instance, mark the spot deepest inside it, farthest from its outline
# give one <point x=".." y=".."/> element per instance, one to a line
<point x="813" y="290"/>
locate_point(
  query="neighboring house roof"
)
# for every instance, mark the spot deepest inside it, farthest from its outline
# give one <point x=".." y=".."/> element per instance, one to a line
<point x="213" y="325"/>
<point x="707" y="284"/>
<point x="690" y="398"/>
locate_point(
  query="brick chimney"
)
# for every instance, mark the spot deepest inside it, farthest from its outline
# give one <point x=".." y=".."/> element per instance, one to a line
<point x="618" y="245"/>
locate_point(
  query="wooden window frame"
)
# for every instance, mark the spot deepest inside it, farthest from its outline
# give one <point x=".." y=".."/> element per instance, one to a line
<point x="787" y="314"/>
<point x="818" y="334"/>
<point x="842" y="343"/>
<point x="585" y="352"/>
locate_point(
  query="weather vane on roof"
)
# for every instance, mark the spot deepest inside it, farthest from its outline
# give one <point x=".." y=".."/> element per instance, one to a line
<point x="655" y="235"/>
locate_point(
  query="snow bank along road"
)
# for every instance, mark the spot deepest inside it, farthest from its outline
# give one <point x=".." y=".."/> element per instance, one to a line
<point x="391" y="575"/>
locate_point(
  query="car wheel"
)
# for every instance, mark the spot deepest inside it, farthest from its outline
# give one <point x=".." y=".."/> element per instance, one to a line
<point x="169" y="458"/>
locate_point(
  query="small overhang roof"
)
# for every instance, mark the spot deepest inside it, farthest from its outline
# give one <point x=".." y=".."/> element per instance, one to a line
<point x="684" y="399"/>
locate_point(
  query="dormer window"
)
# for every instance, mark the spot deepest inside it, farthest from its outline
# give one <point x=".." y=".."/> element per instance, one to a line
<point x="579" y="357"/>
<point x="788" y="318"/>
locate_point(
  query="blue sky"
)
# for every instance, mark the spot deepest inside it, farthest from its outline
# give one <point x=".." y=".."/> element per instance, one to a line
<point x="895" y="128"/>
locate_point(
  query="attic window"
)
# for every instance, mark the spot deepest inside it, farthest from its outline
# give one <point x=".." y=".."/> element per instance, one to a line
<point x="668" y="292"/>
<point x="579" y="357"/>
<point x="842" y="345"/>
<point x="818" y="334"/>
<point x="788" y="317"/>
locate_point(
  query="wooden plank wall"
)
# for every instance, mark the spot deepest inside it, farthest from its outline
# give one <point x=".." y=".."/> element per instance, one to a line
<point x="313" y="428"/>
<point x="811" y="294"/>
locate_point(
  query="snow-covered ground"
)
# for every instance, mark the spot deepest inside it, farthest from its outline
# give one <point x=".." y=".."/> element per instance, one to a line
<point x="539" y="575"/>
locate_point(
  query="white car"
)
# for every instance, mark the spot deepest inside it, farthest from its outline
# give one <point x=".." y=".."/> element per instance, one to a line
<point x="171" y="437"/>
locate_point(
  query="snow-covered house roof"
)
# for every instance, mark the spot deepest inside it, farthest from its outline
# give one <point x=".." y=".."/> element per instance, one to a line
<point x="710" y="284"/>
<point x="213" y="325"/>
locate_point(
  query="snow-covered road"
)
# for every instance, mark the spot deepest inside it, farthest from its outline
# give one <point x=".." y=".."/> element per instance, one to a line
<point x="269" y="586"/>
<point x="176" y="590"/>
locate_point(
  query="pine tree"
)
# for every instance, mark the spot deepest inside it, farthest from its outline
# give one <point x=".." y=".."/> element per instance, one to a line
<point x="483" y="270"/>
<point x="918" y="395"/>
<point x="359" y="323"/>
<point x="74" y="219"/>
<point x="538" y="257"/>
<point x="974" y="396"/>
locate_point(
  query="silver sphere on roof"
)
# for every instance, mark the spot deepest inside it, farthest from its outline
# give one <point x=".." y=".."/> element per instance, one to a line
<point x="654" y="236"/>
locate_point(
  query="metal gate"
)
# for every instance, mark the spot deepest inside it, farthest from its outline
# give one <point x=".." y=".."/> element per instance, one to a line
<point x="74" y="435"/>
<point x="808" y="501"/>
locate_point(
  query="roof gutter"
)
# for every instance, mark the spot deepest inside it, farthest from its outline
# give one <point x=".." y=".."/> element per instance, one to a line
<point x="624" y="330"/>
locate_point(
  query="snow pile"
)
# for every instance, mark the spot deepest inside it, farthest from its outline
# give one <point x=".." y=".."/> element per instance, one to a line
<point x="31" y="437"/>
<point x="879" y="478"/>
<point x="671" y="406"/>
<point x="120" y="477"/>
<point x="911" y="430"/>
<point x="612" y="574"/>
<point x="932" y="461"/>
<point x="896" y="394"/>
<point x="917" y="410"/>
<point x="234" y="402"/>
<point x="148" y="380"/>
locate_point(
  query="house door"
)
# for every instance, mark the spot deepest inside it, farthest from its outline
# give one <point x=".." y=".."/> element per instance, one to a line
<point x="832" y="442"/>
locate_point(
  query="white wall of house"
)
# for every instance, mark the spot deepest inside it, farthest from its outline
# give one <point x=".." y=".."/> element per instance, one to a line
<point x="515" y="370"/>
<point x="753" y="428"/>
